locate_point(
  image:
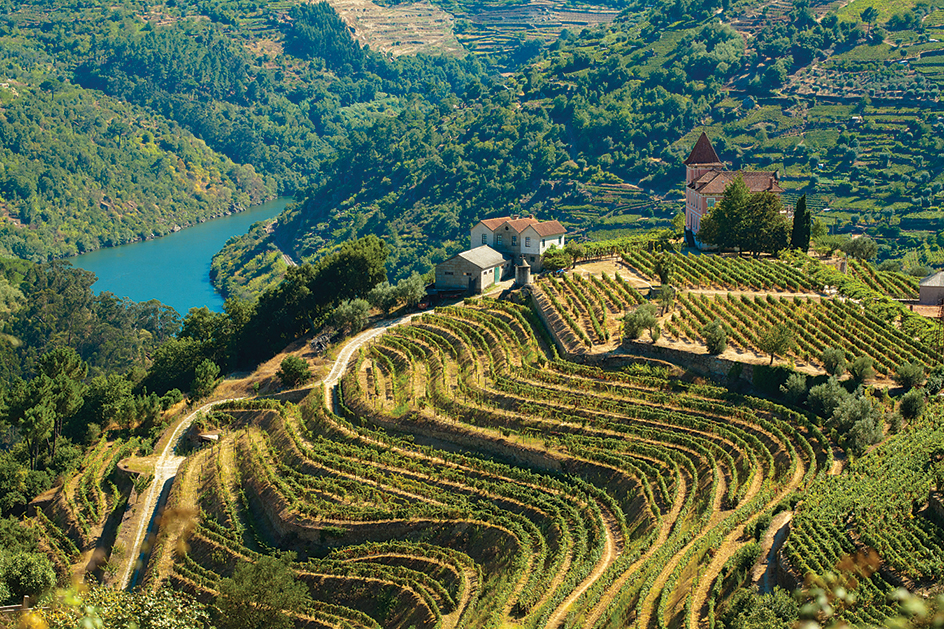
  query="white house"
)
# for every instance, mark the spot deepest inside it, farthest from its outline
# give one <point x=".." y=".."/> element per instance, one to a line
<point x="524" y="239"/>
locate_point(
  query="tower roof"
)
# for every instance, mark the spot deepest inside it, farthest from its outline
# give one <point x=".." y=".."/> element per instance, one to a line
<point x="703" y="152"/>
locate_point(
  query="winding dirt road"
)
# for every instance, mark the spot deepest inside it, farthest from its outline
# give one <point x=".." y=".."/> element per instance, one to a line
<point x="165" y="469"/>
<point x="166" y="466"/>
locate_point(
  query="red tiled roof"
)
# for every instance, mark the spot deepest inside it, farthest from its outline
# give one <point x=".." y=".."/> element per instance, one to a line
<point x="715" y="181"/>
<point x="521" y="224"/>
<point x="494" y="223"/>
<point x="549" y="228"/>
<point x="518" y="225"/>
<point x="703" y="152"/>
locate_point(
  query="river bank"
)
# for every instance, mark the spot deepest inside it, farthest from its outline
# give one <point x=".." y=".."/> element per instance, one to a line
<point x="174" y="269"/>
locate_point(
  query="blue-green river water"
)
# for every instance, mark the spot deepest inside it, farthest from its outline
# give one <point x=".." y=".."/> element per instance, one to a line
<point x="174" y="269"/>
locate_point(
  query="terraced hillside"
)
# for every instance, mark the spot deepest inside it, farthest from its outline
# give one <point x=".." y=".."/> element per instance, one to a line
<point x="468" y="477"/>
<point x="78" y="520"/>
<point x="748" y="297"/>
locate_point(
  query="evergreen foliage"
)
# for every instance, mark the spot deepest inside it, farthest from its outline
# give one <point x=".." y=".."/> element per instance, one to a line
<point x="802" y="226"/>
<point x="716" y="338"/>
<point x="909" y="374"/>
<point x="778" y="339"/>
<point x="293" y="371"/>
<point x="834" y="361"/>
<point x="751" y="222"/>
<point x="259" y="593"/>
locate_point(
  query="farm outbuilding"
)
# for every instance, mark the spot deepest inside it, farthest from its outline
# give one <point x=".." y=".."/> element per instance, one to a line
<point x="931" y="290"/>
<point x="473" y="270"/>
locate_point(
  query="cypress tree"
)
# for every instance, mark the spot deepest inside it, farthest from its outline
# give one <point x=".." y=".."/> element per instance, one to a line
<point x="802" y="226"/>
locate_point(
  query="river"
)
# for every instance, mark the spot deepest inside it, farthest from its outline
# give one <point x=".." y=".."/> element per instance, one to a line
<point x="174" y="269"/>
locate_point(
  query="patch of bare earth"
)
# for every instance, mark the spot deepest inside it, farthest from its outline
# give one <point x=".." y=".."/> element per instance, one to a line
<point x="263" y="380"/>
<point x="404" y="29"/>
<point x="765" y="570"/>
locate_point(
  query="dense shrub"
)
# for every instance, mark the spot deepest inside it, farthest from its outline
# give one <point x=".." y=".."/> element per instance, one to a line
<point x="825" y="398"/>
<point x="912" y="404"/>
<point x="834" y="361"/>
<point x="794" y="389"/>
<point x="716" y="338"/>
<point x="861" y="369"/>
<point x="909" y="375"/>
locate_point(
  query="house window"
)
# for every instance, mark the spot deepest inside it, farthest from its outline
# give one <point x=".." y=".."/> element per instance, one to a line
<point x="560" y="240"/>
<point x="711" y="202"/>
<point x="449" y="273"/>
<point x="498" y="240"/>
<point x="484" y="239"/>
<point x="527" y="241"/>
<point x="532" y="258"/>
<point x="542" y="242"/>
<point x="514" y="241"/>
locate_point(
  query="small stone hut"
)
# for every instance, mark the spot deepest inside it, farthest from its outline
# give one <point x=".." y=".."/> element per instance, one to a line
<point x="931" y="290"/>
<point x="474" y="270"/>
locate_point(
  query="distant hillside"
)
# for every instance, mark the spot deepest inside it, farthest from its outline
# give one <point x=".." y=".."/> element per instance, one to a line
<point x="848" y="111"/>
<point x="83" y="171"/>
<point x="122" y="121"/>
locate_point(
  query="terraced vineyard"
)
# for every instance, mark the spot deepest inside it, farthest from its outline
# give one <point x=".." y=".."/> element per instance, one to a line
<point x="724" y="272"/>
<point x="817" y="325"/>
<point x="468" y="477"/>
<point x="897" y="285"/>
<point x="882" y="502"/>
<point x="74" y="518"/>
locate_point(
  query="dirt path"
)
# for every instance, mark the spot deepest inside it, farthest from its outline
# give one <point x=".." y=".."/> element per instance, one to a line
<point x="340" y="364"/>
<point x="610" y="554"/>
<point x="839" y="462"/>
<point x="765" y="572"/>
<point x="165" y="469"/>
<point x="730" y="545"/>
<point x="664" y="529"/>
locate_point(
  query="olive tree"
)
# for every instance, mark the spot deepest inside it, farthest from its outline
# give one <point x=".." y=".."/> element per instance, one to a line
<point x="293" y="371"/>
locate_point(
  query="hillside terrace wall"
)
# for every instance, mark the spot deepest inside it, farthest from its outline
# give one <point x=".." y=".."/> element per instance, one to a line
<point x="704" y="364"/>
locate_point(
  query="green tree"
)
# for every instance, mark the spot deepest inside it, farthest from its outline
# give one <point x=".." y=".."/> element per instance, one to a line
<point x="724" y="226"/>
<point x="383" y="296"/>
<point x="576" y="251"/>
<point x="802" y="226"/>
<point x="766" y="227"/>
<point x="794" y="389"/>
<point x="411" y="290"/>
<point x="258" y="595"/>
<point x="642" y="318"/>
<point x="716" y="338"/>
<point x="912" y="404"/>
<point x="745" y="221"/>
<point x="293" y="371"/>
<point x="825" y="398"/>
<point x="869" y="15"/>
<point x="352" y="315"/>
<point x="665" y="267"/>
<point x="65" y="370"/>
<point x="666" y="297"/>
<point x="859" y="421"/>
<point x="777" y="339"/>
<point x="861" y="369"/>
<point x="26" y="574"/>
<point x="35" y="428"/>
<point x="862" y="248"/>
<point x="834" y="361"/>
<point x="555" y="259"/>
<point x="204" y="379"/>
<point x="909" y="374"/>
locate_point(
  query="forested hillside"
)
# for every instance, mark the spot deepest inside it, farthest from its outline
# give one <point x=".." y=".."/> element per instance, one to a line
<point x="83" y="171"/>
<point x="120" y="123"/>
<point x="847" y="109"/>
